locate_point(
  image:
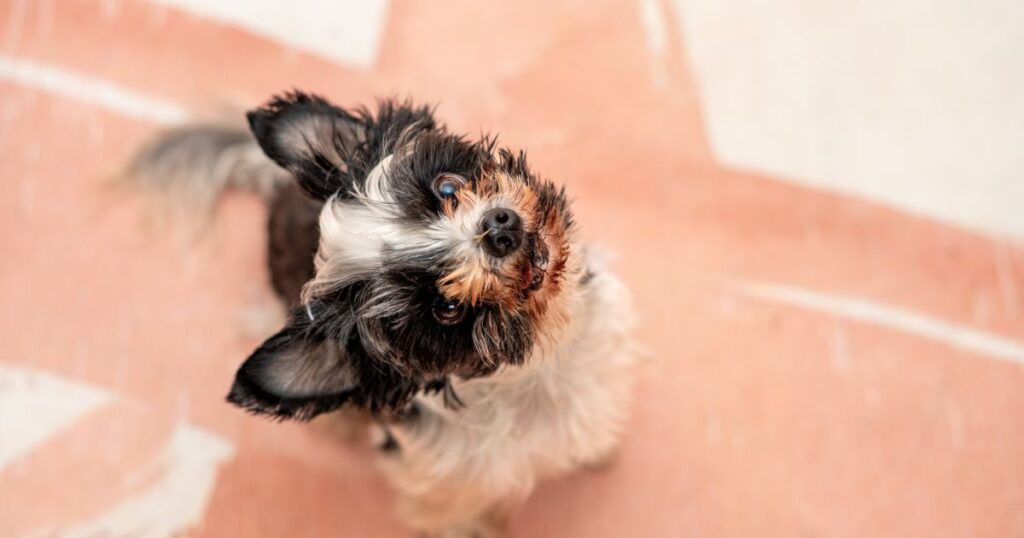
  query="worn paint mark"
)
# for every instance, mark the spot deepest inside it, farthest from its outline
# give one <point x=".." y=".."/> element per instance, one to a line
<point x="888" y="316"/>
<point x="345" y="31"/>
<point x="655" y="30"/>
<point x="36" y="405"/>
<point x="186" y="473"/>
<point x="89" y="90"/>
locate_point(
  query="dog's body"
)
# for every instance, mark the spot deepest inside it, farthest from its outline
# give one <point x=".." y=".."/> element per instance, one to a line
<point x="561" y="410"/>
<point x="434" y="283"/>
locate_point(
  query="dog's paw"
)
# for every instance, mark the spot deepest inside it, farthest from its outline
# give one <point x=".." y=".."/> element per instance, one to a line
<point x="603" y="462"/>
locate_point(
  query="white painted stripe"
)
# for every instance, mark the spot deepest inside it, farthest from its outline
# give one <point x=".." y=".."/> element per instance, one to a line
<point x="346" y="31"/>
<point x="915" y="103"/>
<point x="656" y="31"/>
<point x="174" y="503"/>
<point x="35" y="406"/>
<point x="890" y="317"/>
<point x="89" y="90"/>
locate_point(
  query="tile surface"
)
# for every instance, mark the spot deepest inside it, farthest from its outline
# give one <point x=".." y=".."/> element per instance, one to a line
<point x="821" y="365"/>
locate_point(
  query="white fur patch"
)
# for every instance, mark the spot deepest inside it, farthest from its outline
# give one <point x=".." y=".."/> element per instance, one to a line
<point x="355" y="233"/>
<point x="378" y="181"/>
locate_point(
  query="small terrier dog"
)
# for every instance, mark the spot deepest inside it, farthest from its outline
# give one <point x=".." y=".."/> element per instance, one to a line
<point x="435" y="283"/>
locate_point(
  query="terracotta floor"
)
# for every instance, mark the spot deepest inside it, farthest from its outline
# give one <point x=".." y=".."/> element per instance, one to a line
<point x="823" y="366"/>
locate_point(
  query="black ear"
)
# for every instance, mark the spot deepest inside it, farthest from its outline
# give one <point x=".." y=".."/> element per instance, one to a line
<point x="297" y="373"/>
<point x="311" y="138"/>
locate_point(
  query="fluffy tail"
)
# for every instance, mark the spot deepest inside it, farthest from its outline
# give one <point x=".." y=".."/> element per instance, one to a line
<point x="186" y="169"/>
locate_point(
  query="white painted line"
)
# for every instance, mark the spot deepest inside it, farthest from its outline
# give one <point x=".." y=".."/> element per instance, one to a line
<point x="914" y="103"/>
<point x="174" y="503"/>
<point x="888" y="316"/>
<point x="345" y="31"/>
<point x="89" y="90"/>
<point x="35" y="406"/>
<point x="656" y="31"/>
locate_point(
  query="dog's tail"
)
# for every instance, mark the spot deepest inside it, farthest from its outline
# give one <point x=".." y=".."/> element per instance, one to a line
<point x="185" y="170"/>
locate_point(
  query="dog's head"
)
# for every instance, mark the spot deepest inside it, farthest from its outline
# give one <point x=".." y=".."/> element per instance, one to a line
<point x="438" y="257"/>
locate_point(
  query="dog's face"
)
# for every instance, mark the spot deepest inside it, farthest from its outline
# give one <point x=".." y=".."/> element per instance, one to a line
<point x="438" y="256"/>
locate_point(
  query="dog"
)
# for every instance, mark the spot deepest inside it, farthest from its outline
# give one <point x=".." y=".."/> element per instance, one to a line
<point x="435" y="283"/>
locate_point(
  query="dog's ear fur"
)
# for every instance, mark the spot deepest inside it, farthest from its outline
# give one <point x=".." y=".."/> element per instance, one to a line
<point x="331" y="150"/>
<point x="311" y="138"/>
<point x="297" y="373"/>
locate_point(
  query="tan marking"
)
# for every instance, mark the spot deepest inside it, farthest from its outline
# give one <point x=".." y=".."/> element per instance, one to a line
<point x="550" y="306"/>
<point x="475" y="277"/>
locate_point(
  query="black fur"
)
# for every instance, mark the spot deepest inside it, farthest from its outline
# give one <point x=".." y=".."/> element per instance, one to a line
<point x="376" y="385"/>
<point x="293" y="238"/>
<point x="433" y="153"/>
<point x="381" y="327"/>
<point x="356" y="139"/>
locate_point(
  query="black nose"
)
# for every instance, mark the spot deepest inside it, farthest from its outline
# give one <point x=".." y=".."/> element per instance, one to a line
<point x="503" y="232"/>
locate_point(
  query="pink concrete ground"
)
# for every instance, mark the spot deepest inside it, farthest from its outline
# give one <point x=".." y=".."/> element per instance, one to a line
<point x="758" y="416"/>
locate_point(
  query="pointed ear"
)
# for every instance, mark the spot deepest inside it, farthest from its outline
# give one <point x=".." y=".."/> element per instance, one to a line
<point x="310" y="138"/>
<point x="297" y="373"/>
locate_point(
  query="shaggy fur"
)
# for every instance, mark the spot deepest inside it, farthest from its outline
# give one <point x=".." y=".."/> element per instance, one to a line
<point x="487" y="369"/>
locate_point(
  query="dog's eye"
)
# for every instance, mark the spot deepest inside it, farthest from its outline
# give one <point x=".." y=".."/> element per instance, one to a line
<point x="447" y="185"/>
<point x="448" y="312"/>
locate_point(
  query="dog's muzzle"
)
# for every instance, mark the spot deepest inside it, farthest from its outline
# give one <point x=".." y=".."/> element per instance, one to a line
<point x="502" y="231"/>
